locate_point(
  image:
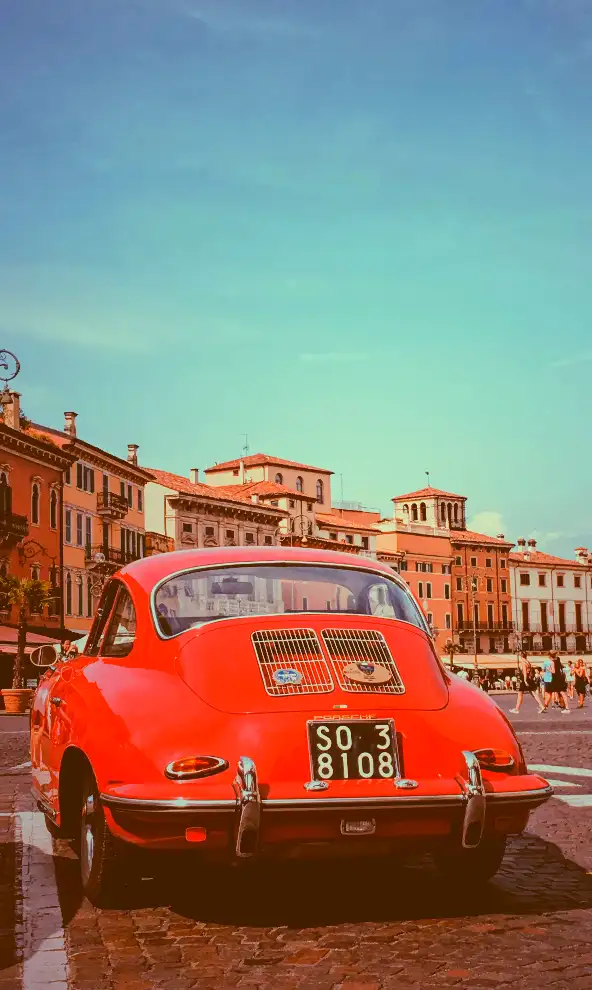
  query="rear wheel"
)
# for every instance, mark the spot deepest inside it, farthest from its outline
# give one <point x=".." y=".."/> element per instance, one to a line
<point x="473" y="866"/>
<point x="100" y="862"/>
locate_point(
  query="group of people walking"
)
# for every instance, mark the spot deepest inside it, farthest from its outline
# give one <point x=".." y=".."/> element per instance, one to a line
<point x="551" y="682"/>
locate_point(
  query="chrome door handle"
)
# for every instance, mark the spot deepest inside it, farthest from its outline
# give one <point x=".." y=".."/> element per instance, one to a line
<point x="57" y="701"/>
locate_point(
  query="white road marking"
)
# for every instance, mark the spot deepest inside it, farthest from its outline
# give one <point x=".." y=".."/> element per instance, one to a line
<point x="568" y="771"/>
<point x="577" y="800"/>
<point x="45" y="963"/>
<point x="562" y="783"/>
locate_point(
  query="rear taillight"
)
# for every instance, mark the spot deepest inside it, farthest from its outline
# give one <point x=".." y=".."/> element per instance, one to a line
<point x="191" y="767"/>
<point x="495" y="759"/>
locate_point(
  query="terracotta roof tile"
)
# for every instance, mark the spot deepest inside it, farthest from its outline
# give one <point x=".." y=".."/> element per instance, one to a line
<point x="335" y="521"/>
<point x="467" y="536"/>
<point x="537" y="557"/>
<point x="223" y="493"/>
<point x="428" y="493"/>
<point x="256" y="460"/>
<point x="265" y="489"/>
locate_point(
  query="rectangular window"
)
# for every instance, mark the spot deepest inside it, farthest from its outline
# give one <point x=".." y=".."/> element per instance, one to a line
<point x="561" y="616"/>
<point x="230" y="534"/>
<point x="68" y="476"/>
<point x="502" y="562"/>
<point x="291" y="503"/>
<point x="140" y="500"/>
<point x="504" y="586"/>
<point x="524" y="580"/>
<point x="268" y="541"/>
<point x="404" y="565"/>
<point x="68" y="595"/>
<point x="544" y="618"/>
<point x="430" y="619"/>
<point x="459" y="615"/>
<point x="473" y="561"/>
<point x="365" y="542"/>
<point x="250" y="538"/>
<point x="79" y="476"/>
<point x="474" y="584"/>
<point x="447" y="620"/>
<point x="79" y="530"/>
<point x="525" y="616"/>
<point x="122" y="488"/>
<point x="505" y="616"/>
<point x="332" y="536"/>
<point x="428" y="590"/>
<point x="458" y="561"/>
<point x="459" y="584"/>
<point x="577" y="581"/>
<point x="488" y="561"/>
<point x="209" y="531"/>
<point x="68" y="526"/>
<point x="105" y="485"/>
<point x="560" y="580"/>
<point x="446" y="569"/>
<point x="476" y="614"/>
<point x="542" y="580"/>
<point x="420" y="590"/>
<point x="349" y="538"/>
<point x="80" y="596"/>
<point x="130" y="496"/>
<point x="490" y="616"/>
<point x="446" y="591"/>
<point x="187" y="528"/>
<point x="489" y="584"/>
<point x="578" y="617"/>
<point x="88" y="533"/>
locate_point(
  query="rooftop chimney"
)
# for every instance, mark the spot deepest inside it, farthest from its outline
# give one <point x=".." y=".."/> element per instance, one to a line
<point x="12" y="409"/>
<point x="70" y="423"/>
<point x="532" y="543"/>
<point x="254" y="498"/>
<point x="194" y="476"/>
<point x="132" y="453"/>
<point x="521" y="542"/>
<point x="500" y="536"/>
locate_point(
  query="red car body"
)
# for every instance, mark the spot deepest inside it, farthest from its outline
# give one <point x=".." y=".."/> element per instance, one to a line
<point x="454" y="778"/>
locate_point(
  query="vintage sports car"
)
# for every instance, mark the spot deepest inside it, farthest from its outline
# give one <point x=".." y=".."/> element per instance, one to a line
<point x="253" y="702"/>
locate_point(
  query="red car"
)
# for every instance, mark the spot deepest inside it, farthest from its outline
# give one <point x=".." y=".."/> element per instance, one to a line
<point x="251" y="702"/>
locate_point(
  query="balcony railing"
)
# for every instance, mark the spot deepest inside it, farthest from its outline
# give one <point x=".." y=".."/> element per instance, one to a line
<point x="13" y="528"/>
<point x="157" y="543"/>
<point x="111" y="506"/>
<point x="101" y="554"/>
<point x="558" y="630"/>
<point x="484" y="626"/>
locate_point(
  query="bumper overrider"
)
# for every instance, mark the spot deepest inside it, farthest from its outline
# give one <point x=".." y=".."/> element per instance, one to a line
<point x="248" y="810"/>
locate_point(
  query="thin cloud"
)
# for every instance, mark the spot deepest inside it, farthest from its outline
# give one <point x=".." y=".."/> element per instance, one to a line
<point x="333" y="357"/>
<point x="488" y="522"/>
<point x="572" y="361"/>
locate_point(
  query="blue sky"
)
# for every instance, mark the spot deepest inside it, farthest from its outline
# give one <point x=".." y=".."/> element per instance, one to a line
<point x="357" y="230"/>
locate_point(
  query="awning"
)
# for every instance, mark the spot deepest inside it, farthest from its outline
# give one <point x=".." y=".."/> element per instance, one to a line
<point x="485" y="661"/>
<point x="9" y="639"/>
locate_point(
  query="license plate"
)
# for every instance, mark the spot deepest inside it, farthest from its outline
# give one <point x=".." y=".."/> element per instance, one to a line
<point x="353" y="750"/>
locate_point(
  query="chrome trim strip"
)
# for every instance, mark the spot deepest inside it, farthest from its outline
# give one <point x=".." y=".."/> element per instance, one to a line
<point x="522" y="797"/>
<point x="250" y="808"/>
<point x="280" y="804"/>
<point x="422" y="626"/>
<point x="166" y="805"/>
<point x="44" y="806"/>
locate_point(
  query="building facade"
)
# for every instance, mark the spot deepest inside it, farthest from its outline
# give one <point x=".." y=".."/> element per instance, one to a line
<point x="31" y="520"/>
<point x="103" y="518"/>
<point x="481" y="593"/>
<point x="552" y="599"/>
<point x="304" y="478"/>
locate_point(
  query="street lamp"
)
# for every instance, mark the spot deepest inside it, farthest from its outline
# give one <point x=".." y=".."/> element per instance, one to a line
<point x="28" y="549"/>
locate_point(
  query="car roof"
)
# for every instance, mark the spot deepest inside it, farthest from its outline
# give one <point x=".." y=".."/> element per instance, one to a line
<point x="151" y="570"/>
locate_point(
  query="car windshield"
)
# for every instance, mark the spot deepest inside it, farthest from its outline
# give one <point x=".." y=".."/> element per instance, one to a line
<point x="194" y="597"/>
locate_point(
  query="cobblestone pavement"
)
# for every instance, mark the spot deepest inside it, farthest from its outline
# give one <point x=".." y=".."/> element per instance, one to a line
<point x="338" y="927"/>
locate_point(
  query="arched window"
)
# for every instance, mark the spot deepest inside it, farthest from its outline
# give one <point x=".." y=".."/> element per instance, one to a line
<point x="68" y="594"/>
<point x="320" y="492"/>
<point x="53" y="509"/>
<point x="79" y="595"/>
<point x="299" y="484"/>
<point x="422" y="511"/>
<point x="414" y="512"/>
<point x="35" y="504"/>
<point x="456" y="512"/>
<point x="449" y="513"/>
<point x="443" y="513"/>
<point x="279" y="479"/>
<point x="405" y="510"/>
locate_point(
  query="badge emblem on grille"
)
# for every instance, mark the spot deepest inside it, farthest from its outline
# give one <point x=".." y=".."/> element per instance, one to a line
<point x="367" y="673"/>
<point x="287" y="675"/>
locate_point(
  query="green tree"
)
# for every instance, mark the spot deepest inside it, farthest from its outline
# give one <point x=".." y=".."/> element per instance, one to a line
<point x="27" y="596"/>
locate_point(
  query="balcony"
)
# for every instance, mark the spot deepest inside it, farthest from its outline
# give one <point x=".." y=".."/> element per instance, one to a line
<point x="101" y="555"/>
<point x="157" y="543"/>
<point x="485" y="626"/>
<point x="13" y="528"/>
<point x="111" y="506"/>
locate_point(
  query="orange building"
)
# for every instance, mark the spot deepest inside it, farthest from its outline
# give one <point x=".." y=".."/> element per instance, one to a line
<point x="32" y="470"/>
<point x="103" y="518"/>
<point x="482" y="592"/>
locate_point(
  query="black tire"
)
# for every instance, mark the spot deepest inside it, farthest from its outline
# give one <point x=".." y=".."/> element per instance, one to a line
<point x="101" y="874"/>
<point x="470" y="867"/>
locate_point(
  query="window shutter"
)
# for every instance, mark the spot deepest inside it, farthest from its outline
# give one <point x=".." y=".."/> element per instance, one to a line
<point x="122" y="535"/>
<point x="79" y="476"/>
<point x="122" y="488"/>
<point x="92" y="481"/>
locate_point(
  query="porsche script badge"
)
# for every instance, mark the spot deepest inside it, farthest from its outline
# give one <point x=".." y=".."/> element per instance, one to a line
<point x="367" y="673"/>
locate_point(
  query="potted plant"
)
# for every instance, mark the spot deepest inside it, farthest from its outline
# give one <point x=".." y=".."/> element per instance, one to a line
<point x="28" y="596"/>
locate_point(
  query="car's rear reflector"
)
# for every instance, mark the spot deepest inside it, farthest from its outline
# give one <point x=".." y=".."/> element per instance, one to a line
<point x="196" y="834"/>
<point x="195" y="766"/>
<point x="494" y="759"/>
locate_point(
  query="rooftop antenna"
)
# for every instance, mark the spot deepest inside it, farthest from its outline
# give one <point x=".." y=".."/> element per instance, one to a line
<point x="246" y="446"/>
<point x="428" y="477"/>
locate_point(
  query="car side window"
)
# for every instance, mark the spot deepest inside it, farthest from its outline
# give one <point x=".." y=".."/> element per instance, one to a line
<point x="101" y="616"/>
<point x="121" y="632"/>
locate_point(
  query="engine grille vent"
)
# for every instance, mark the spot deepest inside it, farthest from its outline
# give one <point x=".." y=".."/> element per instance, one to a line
<point x="353" y="646"/>
<point x="292" y="650"/>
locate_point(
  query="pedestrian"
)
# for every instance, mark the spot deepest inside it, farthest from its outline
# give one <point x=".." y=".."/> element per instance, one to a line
<point x="66" y="647"/>
<point x="580" y="681"/>
<point x="508" y="682"/>
<point x="463" y="674"/>
<point x="527" y="684"/>
<point x="570" y="677"/>
<point x="557" y="685"/>
<point x="484" y="683"/>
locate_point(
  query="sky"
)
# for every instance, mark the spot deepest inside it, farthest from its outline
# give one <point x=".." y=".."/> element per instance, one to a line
<point x="358" y="232"/>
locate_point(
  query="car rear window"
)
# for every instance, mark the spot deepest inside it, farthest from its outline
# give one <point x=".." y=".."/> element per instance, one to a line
<point x="194" y="597"/>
